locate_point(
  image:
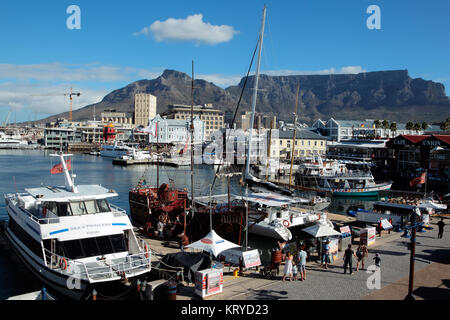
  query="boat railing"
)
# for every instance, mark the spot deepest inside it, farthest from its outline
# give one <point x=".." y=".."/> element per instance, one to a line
<point x="102" y="269"/>
<point x="117" y="211"/>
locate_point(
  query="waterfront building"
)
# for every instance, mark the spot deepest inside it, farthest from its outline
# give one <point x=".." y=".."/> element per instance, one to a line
<point x="175" y="130"/>
<point x="144" y="108"/>
<point x="307" y="144"/>
<point x="212" y="118"/>
<point x="338" y="130"/>
<point x="124" y="119"/>
<point x="412" y="154"/>
<point x="60" y="138"/>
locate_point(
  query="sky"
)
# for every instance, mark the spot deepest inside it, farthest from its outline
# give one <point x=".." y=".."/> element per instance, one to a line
<point x="42" y="55"/>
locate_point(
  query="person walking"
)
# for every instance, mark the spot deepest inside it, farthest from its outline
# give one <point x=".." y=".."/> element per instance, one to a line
<point x="377" y="260"/>
<point x="326" y="254"/>
<point x="288" y="267"/>
<point x="294" y="271"/>
<point x="348" y="255"/>
<point x="441" y="225"/>
<point x="302" y="263"/>
<point x="361" y="254"/>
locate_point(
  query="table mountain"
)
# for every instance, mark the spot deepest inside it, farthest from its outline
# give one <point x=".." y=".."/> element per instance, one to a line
<point x="392" y="95"/>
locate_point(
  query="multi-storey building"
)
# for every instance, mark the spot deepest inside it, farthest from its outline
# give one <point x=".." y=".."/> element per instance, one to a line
<point x="212" y="118"/>
<point x="144" y="108"/>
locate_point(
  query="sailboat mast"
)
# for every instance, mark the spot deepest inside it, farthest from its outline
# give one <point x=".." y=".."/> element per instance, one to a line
<point x="255" y="92"/>
<point x="294" y="138"/>
<point x="192" y="142"/>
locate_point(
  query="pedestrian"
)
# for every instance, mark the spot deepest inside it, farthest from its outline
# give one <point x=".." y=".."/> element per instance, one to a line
<point x="294" y="271"/>
<point x="348" y="255"/>
<point x="441" y="225"/>
<point x="302" y="255"/>
<point x="379" y="228"/>
<point x="326" y="254"/>
<point x="377" y="260"/>
<point x="288" y="267"/>
<point x="160" y="227"/>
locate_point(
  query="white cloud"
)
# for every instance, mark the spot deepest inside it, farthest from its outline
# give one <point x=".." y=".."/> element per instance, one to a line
<point x="342" y="70"/>
<point x="66" y="72"/>
<point x="193" y="28"/>
<point x="44" y="99"/>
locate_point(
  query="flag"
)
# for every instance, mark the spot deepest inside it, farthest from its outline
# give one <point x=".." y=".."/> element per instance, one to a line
<point x="418" y="180"/>
<point x="185" y="146"/>
<point x="152" y="129"/>
<point x="59" y="169"/>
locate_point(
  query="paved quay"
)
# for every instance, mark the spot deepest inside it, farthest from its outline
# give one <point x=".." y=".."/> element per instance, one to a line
<point x="432" y="274"/>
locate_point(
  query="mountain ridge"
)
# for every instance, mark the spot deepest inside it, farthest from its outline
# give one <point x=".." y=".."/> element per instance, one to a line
<point x="390" y="94"/>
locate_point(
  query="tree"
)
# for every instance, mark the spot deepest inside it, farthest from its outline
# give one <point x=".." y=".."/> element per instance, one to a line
<point x="424" y="125"/>
<point x="385" y="125"/>
<point x="393" y="127"/>
<point x="417" y="127"/>
<point x="445" y="125"/>
<point x="409" y="126"/>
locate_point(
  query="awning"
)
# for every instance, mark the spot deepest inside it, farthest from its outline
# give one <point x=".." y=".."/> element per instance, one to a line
<point x="321" y="230"/>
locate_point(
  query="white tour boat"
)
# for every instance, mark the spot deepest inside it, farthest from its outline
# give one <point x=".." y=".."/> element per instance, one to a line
<point x="73" y="240"/>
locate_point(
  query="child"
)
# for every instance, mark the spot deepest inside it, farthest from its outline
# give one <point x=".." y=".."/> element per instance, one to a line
<point x="377" y="260"/>
<point x="294" y="271"/>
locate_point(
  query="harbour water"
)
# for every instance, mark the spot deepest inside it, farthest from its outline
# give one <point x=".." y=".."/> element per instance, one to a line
<point x="20" y="169"/>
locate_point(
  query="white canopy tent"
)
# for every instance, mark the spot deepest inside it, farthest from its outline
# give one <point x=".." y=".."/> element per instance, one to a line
<point x="213" y="244"/>
<point x="321" y="230"/>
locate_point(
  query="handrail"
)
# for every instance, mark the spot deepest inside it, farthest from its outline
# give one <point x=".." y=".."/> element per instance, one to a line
<point x="98" y="273"/>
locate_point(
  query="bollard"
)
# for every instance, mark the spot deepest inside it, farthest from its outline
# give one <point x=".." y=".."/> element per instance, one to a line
<point x="138" y="286"/>
<point x="236" y="273"/>
<point x="172" y="291"/>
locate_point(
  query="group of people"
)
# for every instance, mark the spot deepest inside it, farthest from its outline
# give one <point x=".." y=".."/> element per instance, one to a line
<point x="294" y="266"/>
<point x="165" y="225"/>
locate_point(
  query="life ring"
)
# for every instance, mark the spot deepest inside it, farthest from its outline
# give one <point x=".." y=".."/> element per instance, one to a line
<point x="286" y="223"/>
<point x="63" y="264"/>
<point x="318" y="216"/>
<point x="146" y="251"/>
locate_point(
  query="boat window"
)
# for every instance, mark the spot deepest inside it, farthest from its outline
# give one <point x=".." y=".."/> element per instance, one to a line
<point x="105" y="245"/>
<point x="90" y="247"/>
<point x="73" y="249"/>
<point x="118" y="243"/>
<point x="91" y="206"/>
<point x="62" y="209"/>
<point x="103" y="205"/>
<point x="78" y="208"/>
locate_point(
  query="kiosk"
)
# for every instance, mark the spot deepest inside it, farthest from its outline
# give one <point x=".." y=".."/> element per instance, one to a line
<point x="367" y="236"/>
<point x="208" y="282"/>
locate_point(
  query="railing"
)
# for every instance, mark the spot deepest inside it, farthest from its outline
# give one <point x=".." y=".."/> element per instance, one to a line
<point x="117" y="211"/>
<point x="101" y="269"/>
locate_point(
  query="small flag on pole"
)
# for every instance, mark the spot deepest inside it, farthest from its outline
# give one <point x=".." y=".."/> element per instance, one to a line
<point x="59" y="169"/>
<point x="418" y="180"/>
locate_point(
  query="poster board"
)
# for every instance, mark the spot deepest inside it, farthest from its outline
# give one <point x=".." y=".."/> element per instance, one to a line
<point x="208" y="282"/>
<point x="345" y="231"/>
<point x="334" y="248"/>
<point x="251" y="259"/>
<point x="367" y="236"/>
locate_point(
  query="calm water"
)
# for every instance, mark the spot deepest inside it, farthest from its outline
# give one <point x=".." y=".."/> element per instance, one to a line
<point x="20" y="169"/>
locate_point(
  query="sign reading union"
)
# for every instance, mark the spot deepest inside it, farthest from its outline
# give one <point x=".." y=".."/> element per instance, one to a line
<point x="432" y="143"/>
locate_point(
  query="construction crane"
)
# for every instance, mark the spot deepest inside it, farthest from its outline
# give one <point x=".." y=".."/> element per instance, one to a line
<point x="70" y="94"/>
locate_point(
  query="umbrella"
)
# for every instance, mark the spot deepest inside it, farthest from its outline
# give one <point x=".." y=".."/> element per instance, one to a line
<point x="213" y="244"/>
<point x="321" y="230"/>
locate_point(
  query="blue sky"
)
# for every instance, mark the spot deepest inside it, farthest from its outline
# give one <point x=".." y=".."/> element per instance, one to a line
<point x="123" y="41"/>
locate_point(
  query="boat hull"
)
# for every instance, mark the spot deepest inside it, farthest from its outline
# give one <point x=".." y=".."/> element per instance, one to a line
<point x="270" y="232"/>
<point x="364" y="192"/>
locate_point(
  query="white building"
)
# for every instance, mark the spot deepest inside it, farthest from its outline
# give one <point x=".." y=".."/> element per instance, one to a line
<point x="338" y="130"/>
<point x="175" y="131"/>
